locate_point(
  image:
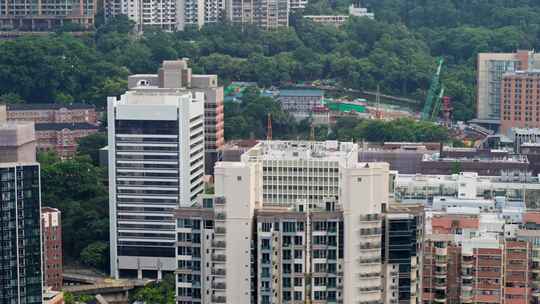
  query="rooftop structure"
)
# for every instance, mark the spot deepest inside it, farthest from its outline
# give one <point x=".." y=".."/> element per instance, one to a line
<point x="17" y="142"/>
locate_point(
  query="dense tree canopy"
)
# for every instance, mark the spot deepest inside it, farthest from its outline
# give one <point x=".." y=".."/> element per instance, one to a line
<point x="397" y="51"/>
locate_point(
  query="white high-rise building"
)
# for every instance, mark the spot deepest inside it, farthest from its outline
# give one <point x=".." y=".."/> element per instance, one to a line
<point x="156" y="164"/>
<point x="321" y="244"/>
<point x="171" y="15"/>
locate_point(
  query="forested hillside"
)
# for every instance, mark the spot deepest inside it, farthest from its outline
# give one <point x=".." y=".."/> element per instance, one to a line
<point x="398" y="51"/>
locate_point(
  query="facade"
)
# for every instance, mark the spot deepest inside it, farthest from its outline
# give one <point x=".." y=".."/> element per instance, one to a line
<point x="176" y="74"/>
<point x="19" y="15"/>
<point x="520" y="100"/>
<point x="265" y="14"/>
<point x="517" y="165"/>
<point x="357" y="10"/>
<point x="156" y="164"/>
<point x="171" y="15"/>
<point x="402" y="253"/>
<point x="214" y="240"/>
<point x="491" y="68"/>
<point x="52" y="248"/>
<point x="53" y="113"/>
<point x="20" y="261"/>
<point x="62" y="137"/>
<point x="17" y="142"/>
<point x="302" y="172"/>
<point x="300" y="100"/>
<point x="296" y="251"/>
<point x="521" y="136"/>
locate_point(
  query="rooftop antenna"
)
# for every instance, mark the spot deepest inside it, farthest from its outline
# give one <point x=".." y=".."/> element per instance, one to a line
<point x="269" y="127"/>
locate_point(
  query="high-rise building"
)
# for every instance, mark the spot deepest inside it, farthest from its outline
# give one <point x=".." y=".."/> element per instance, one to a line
<point x="17" y="142"/>
<point x="156" y="164"/>
<point x="45" y="15"/>
<point x="403" y="227"/>
<point x="176" y="74"/>
<point x="52" y="248"/>
<point x="491" y="68"/>
<point x="265" y="14"/>
<point x="20" y="240"/>
<point x="171" y="15"/>
<point x="520" y="100"/>
<point x="319" y="249"/>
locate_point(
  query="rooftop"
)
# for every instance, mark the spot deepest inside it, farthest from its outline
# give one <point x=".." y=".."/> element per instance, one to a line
<point x="62" y="126"/>
<point x="295" y="93"/>
<point x="48" y="106"/>
<point x="308" y="150"/>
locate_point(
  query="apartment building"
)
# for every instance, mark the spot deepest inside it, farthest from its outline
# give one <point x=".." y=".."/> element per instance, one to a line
<point x="490" y="72"/>
<point x="176" y="74"/>
<point x="156" y="164"/>
<point x="402" y="252"/>
<point x="302" y="172"/>
<point x="53" y="113"/>
<point x="20" y="219"/>
<point x="520" y="100"/>
<point x="170" y="15"/>
<point x="297" y="251"/>
<point x="52" y="248"/>
<point x="215" y="239"/>
<point x="530" y="232"/>
<point x="46" y="15"/>
<point x="265" y="14"/>
<point x="62" y="138"/>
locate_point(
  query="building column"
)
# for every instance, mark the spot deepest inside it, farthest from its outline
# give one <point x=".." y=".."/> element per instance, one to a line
<point x="139" y="274"/>
<point x="159" y="275"/>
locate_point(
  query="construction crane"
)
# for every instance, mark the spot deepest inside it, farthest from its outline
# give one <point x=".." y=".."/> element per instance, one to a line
<point x="436" y="91"/>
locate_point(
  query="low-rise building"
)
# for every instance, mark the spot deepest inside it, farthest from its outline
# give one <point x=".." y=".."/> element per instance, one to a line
<point x="334" y="20"/>
<point x="300" y="101"/>
<point x="62" y="137"/>
<point x="53" y="113"/>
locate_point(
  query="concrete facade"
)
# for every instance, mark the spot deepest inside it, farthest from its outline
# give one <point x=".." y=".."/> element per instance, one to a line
<point x="156" y="164"/>
<point x="265" y="14"/>
<point x="520" y="100"/>
<point x="176" y="74"/>
<point x="17" y="142"/>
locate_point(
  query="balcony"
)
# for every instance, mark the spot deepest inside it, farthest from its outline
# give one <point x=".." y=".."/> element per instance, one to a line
<point x="219" y="299"/>
<point x="219" y="244"/>
<point x="220" y="230"/>
<point x="219" y="257"/>
<point x="219" y="285"/>
<point x="219" y="272"/>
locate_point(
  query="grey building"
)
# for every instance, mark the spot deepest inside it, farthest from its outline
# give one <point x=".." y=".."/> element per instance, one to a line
<point x="265" y="14"/>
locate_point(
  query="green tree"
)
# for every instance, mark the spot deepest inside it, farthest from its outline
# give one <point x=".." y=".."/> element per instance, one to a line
<point x="95" y="255"/>
<point x="91" y="144"/>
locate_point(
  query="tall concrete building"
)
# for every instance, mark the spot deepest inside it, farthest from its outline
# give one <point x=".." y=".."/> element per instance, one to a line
<point x="45" y="15"/>
<point x="491" y="68"/>
<point x="327" y="249"/>
<point x="156" y="164"/>
<point x="17" y="142"/>
<point x="265" y="14"/>
<point x="177" y="75"/>
<point x="20" y="240"/>
<point x="171" y="15"/>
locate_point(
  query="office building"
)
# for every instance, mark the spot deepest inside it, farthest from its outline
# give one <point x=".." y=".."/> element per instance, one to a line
<point x="17" y="142"/>
<point x="176" y="74"/>
<point x="53" y="113"/>
<point x="324" y="250"/>
<point x="62" y="138"/>
<point x="156" y="164"/>
<point x="52" y="248"/>
<point x="265" y="14"/>
<point x="491" y="68"/>
<point x="170" y="15"/>
<point x="46" y="15"/>
<point x="300" y="101"/>
<point x="20" y="240"/>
